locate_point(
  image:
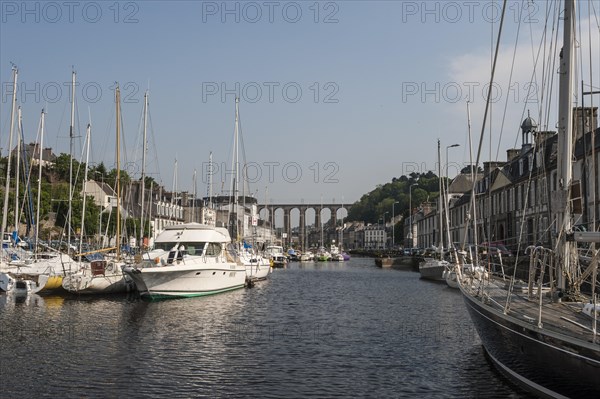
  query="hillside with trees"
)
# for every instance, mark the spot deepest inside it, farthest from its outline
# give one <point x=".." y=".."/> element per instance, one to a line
<point x="372" y="206"/>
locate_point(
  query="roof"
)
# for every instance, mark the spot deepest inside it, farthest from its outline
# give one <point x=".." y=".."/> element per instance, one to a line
<point x="193" y="232"/>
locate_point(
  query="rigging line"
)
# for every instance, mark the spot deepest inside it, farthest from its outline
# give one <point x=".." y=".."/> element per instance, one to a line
<point x="593" y="138"/>
<point x="550" y="76"/>
<point x="157" y="173"/>
<point x="512" y="68"/>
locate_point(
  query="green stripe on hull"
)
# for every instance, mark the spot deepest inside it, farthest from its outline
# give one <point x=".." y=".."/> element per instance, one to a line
<point x="175" y="294"/>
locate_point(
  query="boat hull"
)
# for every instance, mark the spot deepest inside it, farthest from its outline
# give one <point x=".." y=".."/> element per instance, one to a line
<point x="258" y="271"/>
<point x="544" y="362"/>
<point x="186" y="280"/>
<point x="451" y="279"/>
<point x="24" y="284"/>
<point x="432" y="269"/>
<point x="384" y="262"/>
<point x="79" y="283"/>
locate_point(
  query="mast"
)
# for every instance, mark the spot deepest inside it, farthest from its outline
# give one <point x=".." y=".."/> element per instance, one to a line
<point x="85" y="177"/>
<point x="473" y="216"/>
<point x="210" y="180"/>
<point x="174" y="191"/>
<point x="441" y="222"/>
<point x="193" y="218"/>
<point x="39" y="188"/>
<point x="71" y="136"/>
<point x="143" y="185"/>
<point x="18" y="169"/>
<point x="235" y="161"/>
<point x="10" y="139"/>
<point x="118" y="144"/>
<point x="27" y="196"/>
<point x="565" y="141"/>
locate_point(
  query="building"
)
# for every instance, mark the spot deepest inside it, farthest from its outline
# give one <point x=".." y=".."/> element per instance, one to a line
<point x="375" y="236"/>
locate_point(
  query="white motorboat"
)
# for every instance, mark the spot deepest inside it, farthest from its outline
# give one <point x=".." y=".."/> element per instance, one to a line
<point x="257" y="266"/>
<point x="276" y="255"/>
<point x="189" y="259"/>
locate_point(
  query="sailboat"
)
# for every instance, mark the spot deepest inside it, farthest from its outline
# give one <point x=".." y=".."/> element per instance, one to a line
<point x="544" y="335"/>
<point x="41" y="271"/>
<point x="433" y="268"/>
<point x="103" y="276"/>
<point x="258" y="265"/>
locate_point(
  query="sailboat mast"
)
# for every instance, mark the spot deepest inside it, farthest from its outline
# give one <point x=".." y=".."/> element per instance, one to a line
<point x="118" y="185"/>
<point x="143" y="185"/>
<point x="39" y="187"/>
<point x="71" y="136"/>
<point x="565" y="138"/>
<point x="236" y="164"/>
<point x="193" y="218"/>
<point x="85" y="178"/>
<point x="18" y="169"/>
<point x="473" y="215"/>
<point x="10" y="140"/>
<point x="440" y="197"/>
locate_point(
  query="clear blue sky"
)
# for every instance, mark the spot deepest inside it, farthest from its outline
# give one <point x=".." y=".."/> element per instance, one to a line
<point x="380" y="82"/>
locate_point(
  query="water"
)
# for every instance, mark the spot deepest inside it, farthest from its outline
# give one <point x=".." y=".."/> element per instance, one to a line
<point x="315" y="330"/>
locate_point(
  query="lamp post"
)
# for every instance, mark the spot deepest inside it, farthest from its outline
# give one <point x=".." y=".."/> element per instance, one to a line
<point x="410" y="227"/>
<point x="383" y="238"/>
<point x="446" y="192"/>
<point x="393" y="225"/>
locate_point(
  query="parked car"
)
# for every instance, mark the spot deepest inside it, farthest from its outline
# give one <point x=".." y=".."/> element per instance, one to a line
<point x="495" y="248"/>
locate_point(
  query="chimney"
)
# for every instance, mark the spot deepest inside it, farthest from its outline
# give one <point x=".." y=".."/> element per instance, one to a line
<point x="540" y="137"/>
<point x="585" y="120"/>
<point x="512" y="153"/>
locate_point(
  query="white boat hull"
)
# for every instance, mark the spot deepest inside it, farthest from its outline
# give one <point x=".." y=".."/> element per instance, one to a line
<point x="84" y="283"/>
<point x="259" y="270"/>
<point x="433" y="269"/>
<point x="12" y="284"/>
<point x="187" y="280"/>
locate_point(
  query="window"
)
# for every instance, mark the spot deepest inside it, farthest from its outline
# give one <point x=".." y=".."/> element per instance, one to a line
<point x="213" y="249"/>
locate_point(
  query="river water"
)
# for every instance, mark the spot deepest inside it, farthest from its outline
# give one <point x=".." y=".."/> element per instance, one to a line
<point x="312" y="330"/>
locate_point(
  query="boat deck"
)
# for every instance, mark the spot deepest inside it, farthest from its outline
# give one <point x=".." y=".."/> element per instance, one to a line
<point x="564" y="318"/>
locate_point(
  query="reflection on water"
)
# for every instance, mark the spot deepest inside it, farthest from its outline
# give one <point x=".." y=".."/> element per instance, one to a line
<point x="312" y="329"/>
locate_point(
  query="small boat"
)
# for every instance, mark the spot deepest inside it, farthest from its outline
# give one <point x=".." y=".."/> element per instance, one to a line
<point x="257" y="266"/>
<point x="323" y="255"/>
<point x="276" y="255"/>
<point x="433" y="269"/>
<point x="23" y="285"/>
<point x="189" y="260"/>
<point x="450" y="276"/>
<point x="307" y="257"/>
<point x="99" y="277"/>
<point x="44" y="272"/>
<point x="384" y="261"/>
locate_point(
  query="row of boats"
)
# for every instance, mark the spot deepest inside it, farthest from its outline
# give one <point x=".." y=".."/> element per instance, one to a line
<point x="187" y="260"/>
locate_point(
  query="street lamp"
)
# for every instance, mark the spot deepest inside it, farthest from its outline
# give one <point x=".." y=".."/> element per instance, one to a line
<point x="383" y="231"/>
<point x="393" y="222"/>
<point x="410" y="226"/>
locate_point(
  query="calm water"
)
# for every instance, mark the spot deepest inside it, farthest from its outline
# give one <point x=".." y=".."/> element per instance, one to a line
<point x="322" y="330"/>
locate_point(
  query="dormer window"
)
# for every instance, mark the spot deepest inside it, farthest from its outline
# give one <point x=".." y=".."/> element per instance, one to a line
<point x="520" y="166"/>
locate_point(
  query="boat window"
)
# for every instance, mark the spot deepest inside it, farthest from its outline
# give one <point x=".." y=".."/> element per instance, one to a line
<point x="191" y="248"/>
<point x="213" y="249"/>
